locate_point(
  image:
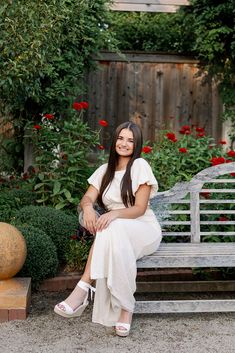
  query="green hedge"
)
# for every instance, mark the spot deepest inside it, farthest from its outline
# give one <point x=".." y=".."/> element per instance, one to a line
<point x="41" y="261"/>
<point x="58" y="225"/>
<point x="12" y="200"/>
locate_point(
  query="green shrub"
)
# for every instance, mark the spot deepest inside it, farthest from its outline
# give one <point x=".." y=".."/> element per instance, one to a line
<point x="42" y="261"/>
<point x="13" y="200"/>
<point x="76" y="254"/>
<point x="58" y="225"/>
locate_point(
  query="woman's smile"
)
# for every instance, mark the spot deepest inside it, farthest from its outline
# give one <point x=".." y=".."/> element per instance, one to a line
<point x="125" y="143"/>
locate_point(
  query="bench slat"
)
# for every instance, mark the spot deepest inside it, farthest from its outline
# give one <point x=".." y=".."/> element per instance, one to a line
<point x="217" y="201"/>
<point x="190" y="255"/>
<point x="222" y="181"/>
<point x="218" y="233"/>
<point x="185" y="306"/>
<point x="185" y="223"/>
<point x="217" y="212"/>
<point x="179" y="212"/>
<point x="186" y="201"/>
<point x="218" y="190"/>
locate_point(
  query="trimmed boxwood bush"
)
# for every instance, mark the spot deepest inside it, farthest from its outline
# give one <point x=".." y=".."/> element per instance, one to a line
<point x="55" y="223"/>
<point x="12" y="200"/>
<point x="41" y="261"/>
<point x="23" y="197"/>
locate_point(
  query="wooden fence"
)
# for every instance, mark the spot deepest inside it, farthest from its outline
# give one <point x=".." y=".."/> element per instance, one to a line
<point x="156" y="91"/>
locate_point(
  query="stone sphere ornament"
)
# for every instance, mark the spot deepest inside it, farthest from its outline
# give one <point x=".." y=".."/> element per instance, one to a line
<point x="13" y="251"/>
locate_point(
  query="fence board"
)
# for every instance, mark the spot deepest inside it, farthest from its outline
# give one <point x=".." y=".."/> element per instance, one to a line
<point x="156" y="91"/>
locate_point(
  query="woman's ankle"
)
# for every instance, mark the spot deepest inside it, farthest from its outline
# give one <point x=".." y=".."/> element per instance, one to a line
<point x="86" y="279"/>
<point x="125" y="316"/>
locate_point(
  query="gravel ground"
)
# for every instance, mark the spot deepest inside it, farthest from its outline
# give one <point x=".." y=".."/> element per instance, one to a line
<point x="45" y="332"/>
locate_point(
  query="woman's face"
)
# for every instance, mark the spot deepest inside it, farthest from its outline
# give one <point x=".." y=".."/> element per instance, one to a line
<point x="125" y="143"/>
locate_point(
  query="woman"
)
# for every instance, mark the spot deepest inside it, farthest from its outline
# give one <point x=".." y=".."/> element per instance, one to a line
<point x="125" y="233"/>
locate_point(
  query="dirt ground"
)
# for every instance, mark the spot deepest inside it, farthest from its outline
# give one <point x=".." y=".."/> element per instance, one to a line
<point x="45" y="332"/>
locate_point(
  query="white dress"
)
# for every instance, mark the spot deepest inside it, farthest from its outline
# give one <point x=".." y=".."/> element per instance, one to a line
<point x="117" y="247"/>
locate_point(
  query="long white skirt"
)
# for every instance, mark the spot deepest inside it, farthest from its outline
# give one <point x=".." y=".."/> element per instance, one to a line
<point x="113" y="264"/>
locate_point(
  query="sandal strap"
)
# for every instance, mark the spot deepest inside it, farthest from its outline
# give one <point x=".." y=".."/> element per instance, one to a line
<point x="85" y="286"/>
<point x="92" y="289"/>
<point x="68" y="309"/>
<point x="123" y="324"/>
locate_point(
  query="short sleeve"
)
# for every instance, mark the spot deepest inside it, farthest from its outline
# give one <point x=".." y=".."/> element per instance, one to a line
<point x="96" y="178"/>
<point x="141" y="173"/>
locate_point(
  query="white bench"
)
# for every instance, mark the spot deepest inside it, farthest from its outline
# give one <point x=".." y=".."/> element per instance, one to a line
<point x="202" y="202"/>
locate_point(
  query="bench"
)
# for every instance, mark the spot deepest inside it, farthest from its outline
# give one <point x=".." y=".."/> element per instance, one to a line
<point x="192" y="213"/>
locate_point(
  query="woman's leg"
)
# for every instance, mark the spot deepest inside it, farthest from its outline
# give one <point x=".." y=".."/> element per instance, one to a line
<point x="86" y="277"/>
<point x="77" y="296"/>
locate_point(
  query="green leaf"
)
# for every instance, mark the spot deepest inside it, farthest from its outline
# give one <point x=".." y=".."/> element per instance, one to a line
<point x="56" y="188"/>
<point x="38" y="186"/>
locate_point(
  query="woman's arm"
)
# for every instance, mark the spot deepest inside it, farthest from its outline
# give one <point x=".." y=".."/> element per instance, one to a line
<point x="139" y="208"/>
<point x="89" y="214"/>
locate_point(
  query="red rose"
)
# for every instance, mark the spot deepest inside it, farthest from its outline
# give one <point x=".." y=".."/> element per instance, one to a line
<point x="201" y="134"/>
<point x="200" y="129"/>
<point x="77" y="106"/>
<point x="37" y="127"/>
<point x="25" y="176"/>
<point x="228" y="161"/>
<point x="182" y="150"/>
<point x="231" y="153"/>
<point x="185" y="127"/>
<point x="171" y="136"/>
<point x="232" y="174"/>
<point x="185" y="130"/>
<point x="103" y="123"/>
<point x="85" y="105"/>
<point x="217" y="160"/>
<point x="147" y="149"/>
<point x="101" y="147"/>
<point x="205" y="194"/>
<point x="223" y="219"/>
<point x="222" y="142"/>
<point x="49" y="116"/>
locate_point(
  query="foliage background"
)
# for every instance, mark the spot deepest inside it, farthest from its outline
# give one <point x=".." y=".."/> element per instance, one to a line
<point x="46" y="48"/>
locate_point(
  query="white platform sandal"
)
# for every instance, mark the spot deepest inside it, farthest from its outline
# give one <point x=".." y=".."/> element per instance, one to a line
<point x="121" y="332"/>
<point x="63" y="309"/>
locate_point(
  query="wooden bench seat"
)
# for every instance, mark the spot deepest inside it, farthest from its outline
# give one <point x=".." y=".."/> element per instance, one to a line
<point x="191" y="255"/>
<point x="200" y="216"/>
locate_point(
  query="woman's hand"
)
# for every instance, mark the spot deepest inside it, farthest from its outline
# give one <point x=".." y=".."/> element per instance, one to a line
<point x="90" y="219"/>
<point x="105" y="219"/>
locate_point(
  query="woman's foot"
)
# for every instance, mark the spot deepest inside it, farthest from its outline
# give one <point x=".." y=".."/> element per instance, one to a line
<point x="76" y="302"/>
<point x="123" y="325"/>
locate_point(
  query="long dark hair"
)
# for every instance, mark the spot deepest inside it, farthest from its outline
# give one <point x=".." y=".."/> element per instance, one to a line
<point x="126" y="185"/>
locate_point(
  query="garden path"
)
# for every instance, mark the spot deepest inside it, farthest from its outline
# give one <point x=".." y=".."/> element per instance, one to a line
<point x="44" y="332"/>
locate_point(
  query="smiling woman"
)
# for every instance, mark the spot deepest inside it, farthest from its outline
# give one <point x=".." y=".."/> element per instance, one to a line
<point x="126" y="231"/>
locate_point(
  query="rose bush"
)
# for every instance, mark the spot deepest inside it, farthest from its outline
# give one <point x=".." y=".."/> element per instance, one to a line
<point x="61" y="154"/>
<point x="179" y="159"/>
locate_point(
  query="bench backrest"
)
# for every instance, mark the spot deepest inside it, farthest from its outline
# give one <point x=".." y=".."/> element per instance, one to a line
<point x="201" y="208"/>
